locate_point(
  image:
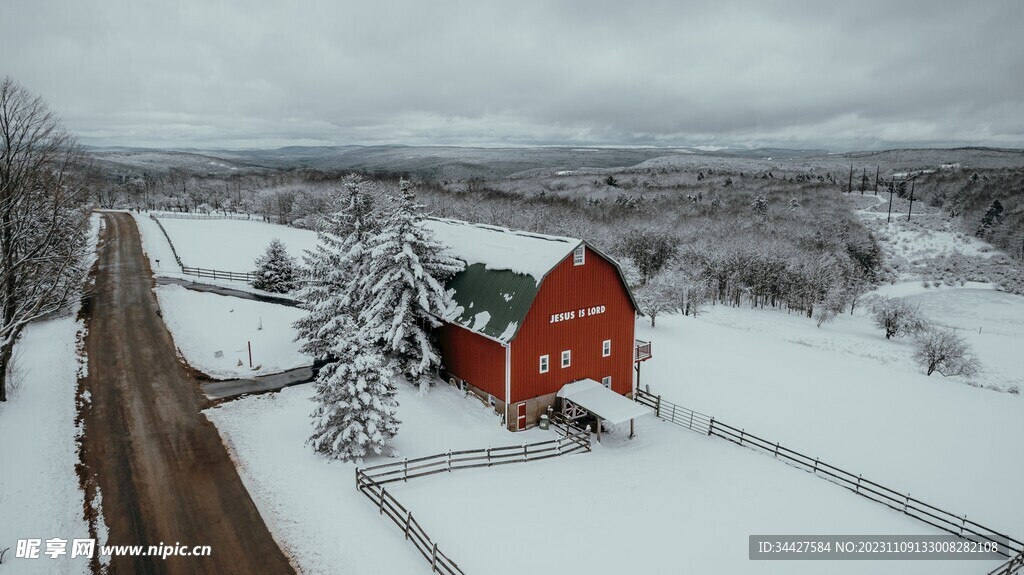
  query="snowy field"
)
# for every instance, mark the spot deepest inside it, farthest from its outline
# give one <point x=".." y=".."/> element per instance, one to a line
<point x="847" y="395"/>
<point x="231" y="245"/>
<point x="841" y="392"/>
<point x="204" y="323"/>
<point x="311" y="505"/>
<point x="668" y="501"/>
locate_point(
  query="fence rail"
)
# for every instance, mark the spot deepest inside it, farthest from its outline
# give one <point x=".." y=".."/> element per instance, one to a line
<point x="370" y="481"/>
<point x="203" y="216"/>
<point x="950" y="523"/>
<point x="218" y="274"/>
<point x="169" y="242"/>
<point x="1013" y="565"/>
<point x="472" y="458"/>
<point x="389" y="507"/>
<point x="677" y="414"/>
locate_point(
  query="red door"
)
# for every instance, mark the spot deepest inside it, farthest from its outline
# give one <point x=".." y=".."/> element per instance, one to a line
<point x="520" y="416"/>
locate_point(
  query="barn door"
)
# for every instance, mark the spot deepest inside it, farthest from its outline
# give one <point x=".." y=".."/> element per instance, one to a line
<point x="520" y="416"/>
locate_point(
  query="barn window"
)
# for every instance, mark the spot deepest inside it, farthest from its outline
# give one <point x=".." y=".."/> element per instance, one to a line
<point x="544" y="363"/>
<point x="567" y="358"/>
<point x="606" y="348"/>
<point x="607" y="381"/>
<point x="579" y="256"/>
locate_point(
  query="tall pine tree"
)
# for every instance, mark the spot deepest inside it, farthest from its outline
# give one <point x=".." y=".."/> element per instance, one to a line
<point x="356" y="407"/>
<point x="334" y="269"/>
<point x="404" y="287"/>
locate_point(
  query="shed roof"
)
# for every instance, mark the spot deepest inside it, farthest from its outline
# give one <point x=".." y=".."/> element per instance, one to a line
<point x="601" y="401"/>
<point x="504" y="271"/>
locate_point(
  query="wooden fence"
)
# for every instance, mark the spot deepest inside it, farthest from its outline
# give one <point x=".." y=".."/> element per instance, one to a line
<point x="370" y="482"/>
<point x="902" y="502"/>
<point x="218" y="274"/>
<point x="199" y="216"/>
<point x="677" y="414"/>
<point x="389" y="507"/>
<point x="169" y="242"/>
<point x="1012" y="565"/>
<point x="471" y="458"/>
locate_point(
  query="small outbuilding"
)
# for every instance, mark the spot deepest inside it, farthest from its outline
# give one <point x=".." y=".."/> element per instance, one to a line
<point x="534" y="313"/>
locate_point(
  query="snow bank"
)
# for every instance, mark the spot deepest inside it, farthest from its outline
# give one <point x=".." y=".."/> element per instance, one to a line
<point x="39" y="491"/>
<point x="204" y="323"/>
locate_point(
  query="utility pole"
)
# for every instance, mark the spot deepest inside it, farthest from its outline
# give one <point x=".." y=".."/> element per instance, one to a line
<point x="892" y="190"/>
<point x="849" y="186"/>
<point x="911" y="208"/>
<point x="876" y="180"/>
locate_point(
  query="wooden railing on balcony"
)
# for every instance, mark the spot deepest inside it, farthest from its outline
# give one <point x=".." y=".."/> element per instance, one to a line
<point x="641" y="350"/>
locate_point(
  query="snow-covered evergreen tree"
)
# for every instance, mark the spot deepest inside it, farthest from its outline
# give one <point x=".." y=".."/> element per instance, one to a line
<point x="355" y="397"/>
<point x="275" y="270"/>
<point x="333" y="270"/>
<point x="404" y="287"/>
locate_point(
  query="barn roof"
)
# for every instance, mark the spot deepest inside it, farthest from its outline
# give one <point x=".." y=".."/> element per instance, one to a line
<point x="504" y="270"/>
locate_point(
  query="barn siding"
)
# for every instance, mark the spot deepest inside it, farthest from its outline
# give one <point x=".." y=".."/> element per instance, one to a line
<point x="473" y="358"/>
<point x="568" y="288"/>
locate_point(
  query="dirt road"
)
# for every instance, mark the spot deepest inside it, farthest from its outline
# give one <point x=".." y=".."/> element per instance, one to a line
<point x="165" y="476"/>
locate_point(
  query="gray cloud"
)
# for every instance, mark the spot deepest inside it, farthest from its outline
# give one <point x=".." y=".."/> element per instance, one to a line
<point x="799" y="73"/>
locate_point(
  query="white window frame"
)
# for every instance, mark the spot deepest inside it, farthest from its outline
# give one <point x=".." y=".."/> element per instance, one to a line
<point x="545" y="363"/>
<point x="606" y="348"/>
<point x="607" y="381"/>
<point x="579" y="255"/>
<point x="566" y="358"/>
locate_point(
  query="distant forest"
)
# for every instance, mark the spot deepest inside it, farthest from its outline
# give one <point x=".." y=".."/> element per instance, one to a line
<point x="686" y="238"/>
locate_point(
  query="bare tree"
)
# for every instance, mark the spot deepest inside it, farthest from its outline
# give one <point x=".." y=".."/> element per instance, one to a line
<point x="943" y="351"/>
<point x="42" y="222"/>
<point x="650" y="250"/>
<point x="896" y="316"/>
<point x="661" y="294"/>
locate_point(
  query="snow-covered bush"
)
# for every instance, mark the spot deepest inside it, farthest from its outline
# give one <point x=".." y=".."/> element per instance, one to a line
<point x="356" y="405"/>
<point x="275" y="270"/>
<point x="941" y="350"/>
<point x="896" y="316"/>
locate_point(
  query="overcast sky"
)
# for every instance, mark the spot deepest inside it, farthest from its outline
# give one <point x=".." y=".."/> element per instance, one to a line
<point x="852" y="75"/>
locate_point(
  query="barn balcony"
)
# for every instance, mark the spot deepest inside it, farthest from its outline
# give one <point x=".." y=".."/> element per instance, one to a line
<point x="641" y="350"/>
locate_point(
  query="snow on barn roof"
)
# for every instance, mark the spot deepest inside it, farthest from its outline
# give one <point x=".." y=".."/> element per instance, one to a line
<point x="501" y="248"/>
<point x="504" y="269"/>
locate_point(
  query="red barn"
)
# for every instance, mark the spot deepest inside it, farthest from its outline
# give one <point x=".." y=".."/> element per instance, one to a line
<point x="534" y="313"/>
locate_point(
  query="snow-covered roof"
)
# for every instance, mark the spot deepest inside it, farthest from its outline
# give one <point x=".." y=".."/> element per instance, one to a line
<point x="501" y="248"/>
<point x="601" y="401"/>
<point x="504" y="270"/>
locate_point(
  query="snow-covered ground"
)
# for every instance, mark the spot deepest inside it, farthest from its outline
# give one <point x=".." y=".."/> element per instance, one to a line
<point x="204" y="323"/>
<point x="39" y="490"/>
<point x="843" y="393"/>
<point x="218" y="242"/>
<point x="311" y="505"/>
<point x="687" y="501"/>
<point x="40" y="495"/>
<point x="232" y="245"/>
